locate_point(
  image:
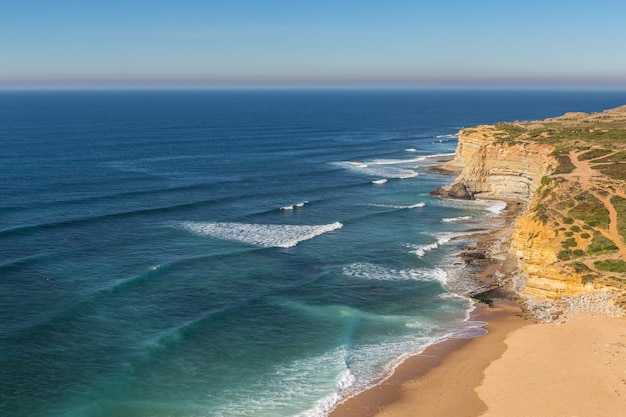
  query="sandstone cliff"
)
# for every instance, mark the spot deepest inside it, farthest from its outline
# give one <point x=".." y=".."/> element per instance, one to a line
<point x="496" y="170"/>
<point x="569" y="173"/>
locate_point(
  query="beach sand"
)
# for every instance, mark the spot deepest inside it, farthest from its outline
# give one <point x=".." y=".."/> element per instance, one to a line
<point x="519" y="369"/>
<point x="442" y="380"/>
<point x="573" y="369"/>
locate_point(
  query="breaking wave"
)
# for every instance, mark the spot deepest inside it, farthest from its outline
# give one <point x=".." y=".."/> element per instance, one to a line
<point x="264" y="235"/>
<point x="455" y="219"/>
<point x="400" y="206"/>
<point x="294" y="206"/>
<point x="373" y="272"/>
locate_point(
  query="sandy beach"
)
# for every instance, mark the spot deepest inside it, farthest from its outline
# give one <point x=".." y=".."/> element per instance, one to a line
<point x="520" y="368"/>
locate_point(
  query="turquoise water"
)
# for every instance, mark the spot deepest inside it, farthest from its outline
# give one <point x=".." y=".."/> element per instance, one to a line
<point x="231" y="253"/>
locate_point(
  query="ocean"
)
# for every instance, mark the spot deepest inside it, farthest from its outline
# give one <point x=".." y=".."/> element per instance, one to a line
<point x="232" y="253"/>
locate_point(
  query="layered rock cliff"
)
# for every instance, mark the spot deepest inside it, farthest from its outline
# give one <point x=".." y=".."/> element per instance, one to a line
<point x="496" y="170"/>
<point x="569" y="175"/>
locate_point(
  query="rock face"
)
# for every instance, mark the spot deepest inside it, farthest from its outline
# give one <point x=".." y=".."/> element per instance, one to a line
<point x="536" y="249"/>
<point x="458" y="190"/>
<point x="494" y="170"/>
<point x="493" y="166"/>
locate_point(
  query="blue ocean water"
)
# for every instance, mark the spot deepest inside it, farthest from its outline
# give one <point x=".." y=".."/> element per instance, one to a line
<point x="231" y="253"/>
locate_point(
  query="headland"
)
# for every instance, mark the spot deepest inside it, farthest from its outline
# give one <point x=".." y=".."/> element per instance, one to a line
<point x="554" y="279"/>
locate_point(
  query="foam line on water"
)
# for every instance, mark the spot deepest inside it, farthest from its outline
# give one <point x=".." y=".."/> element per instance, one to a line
<point x="442" y="238"/>
<point x="490" y="206"/>
<point x="420" y="250"/>
<point x="368" y="271"/>
<point x="316" y="382"/>
<point x="455" y="219"/>
<point x="383" y="168"/>
<point x="264" y="235"/>
<point x="400" y="206"/>
<point x="294" y="206"/>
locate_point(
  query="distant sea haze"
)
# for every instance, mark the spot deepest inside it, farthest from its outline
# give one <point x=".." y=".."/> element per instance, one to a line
<point x="232" y="253"/>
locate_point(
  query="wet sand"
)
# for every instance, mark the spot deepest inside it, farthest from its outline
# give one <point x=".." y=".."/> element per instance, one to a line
<point x="519" y="369"/>
<point x="442" y="380"/>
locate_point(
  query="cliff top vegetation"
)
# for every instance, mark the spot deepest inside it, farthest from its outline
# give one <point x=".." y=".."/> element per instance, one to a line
<point x="584" y="199"/>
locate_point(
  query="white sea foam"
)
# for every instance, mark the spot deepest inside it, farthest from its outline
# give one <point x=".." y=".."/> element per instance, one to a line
<point x="442" y="239"/>
<point x="496" y="206"/>
<point x="396" y="161"/>
<point x="294" y="206"/>
<point x="449" y="136"/>
<point x="385" y="168"/>
<point x="318" y="382"/>
<point x="400" y="206"/>
<point x="379" y="182"/>
<point x="265" y="235"/>
<point x="445" y="237"/>
<point x="455" y="219"/>
<point x="411" y="150"/>
<point x="490" y="206"/>
<point x="421" y="250"/>
<point x="374" y="272"/>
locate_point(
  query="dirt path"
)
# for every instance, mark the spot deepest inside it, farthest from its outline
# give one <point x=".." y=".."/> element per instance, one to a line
<point x="584" y="174"/>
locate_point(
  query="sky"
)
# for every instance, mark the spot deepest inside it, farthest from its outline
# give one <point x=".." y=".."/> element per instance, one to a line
<point x="530" y="44"/>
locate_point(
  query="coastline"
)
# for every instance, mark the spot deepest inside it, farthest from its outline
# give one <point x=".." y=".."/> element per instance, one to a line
<point x="520" y="367"/>
<point x="441" y="379"/>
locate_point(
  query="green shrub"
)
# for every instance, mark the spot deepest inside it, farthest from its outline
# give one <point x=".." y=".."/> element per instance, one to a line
<point x="580" y="267"/>
<point x="564" y="255"/>
<point x="565" y="204"/>
<point x="569" y="243"/>
<point x="611" y="265"/>
<point x="587" y="278"/>
<point x="590" y="210"/>
<point x="565" y="165"/>
<point x="601" y="244"/>
<point x="594" y="153"/>
<point x="616" y="170"/>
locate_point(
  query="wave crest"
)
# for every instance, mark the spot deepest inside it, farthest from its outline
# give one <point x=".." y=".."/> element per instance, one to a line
<point x="373" y="272"/>
<point x="264" y="235"/>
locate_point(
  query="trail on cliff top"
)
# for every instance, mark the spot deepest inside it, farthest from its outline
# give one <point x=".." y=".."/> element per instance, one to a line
<point x="584" y="174"/>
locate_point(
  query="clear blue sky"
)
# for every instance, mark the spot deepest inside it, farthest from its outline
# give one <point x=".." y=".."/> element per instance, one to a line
<point x="297" y="43"/>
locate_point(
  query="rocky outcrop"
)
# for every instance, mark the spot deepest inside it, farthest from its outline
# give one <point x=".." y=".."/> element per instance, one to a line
<point x="557" y="248"/>
<point x="458" y="190"/>
<point x="495" y="170"/>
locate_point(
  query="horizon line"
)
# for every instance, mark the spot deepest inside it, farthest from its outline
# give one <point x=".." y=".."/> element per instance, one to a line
<point x="309" y="88"/>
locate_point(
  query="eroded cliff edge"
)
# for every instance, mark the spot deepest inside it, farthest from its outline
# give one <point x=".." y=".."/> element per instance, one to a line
<point x="568" y="174"/>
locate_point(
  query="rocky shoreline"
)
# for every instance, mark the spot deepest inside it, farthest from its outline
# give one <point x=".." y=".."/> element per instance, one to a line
<point x="565" y="227"/>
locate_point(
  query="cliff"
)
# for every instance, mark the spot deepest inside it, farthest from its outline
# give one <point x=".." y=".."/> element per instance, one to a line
<point x="569" y="174"/>
<point x="495" y="170"/>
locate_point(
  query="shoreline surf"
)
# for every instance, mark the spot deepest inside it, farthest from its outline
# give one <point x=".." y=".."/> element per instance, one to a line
<point x="502" y="313"/>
